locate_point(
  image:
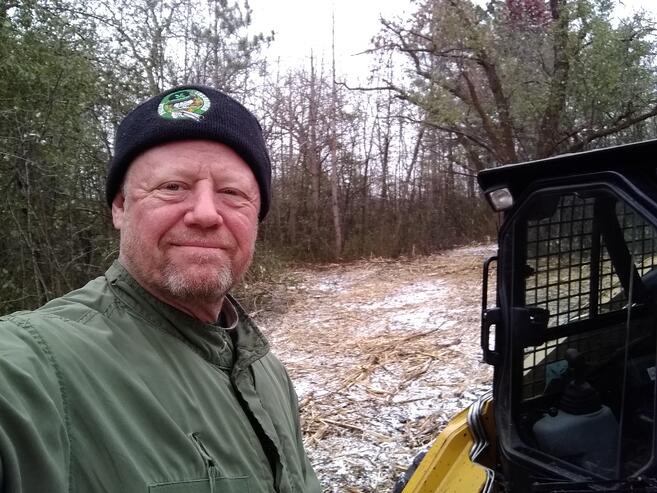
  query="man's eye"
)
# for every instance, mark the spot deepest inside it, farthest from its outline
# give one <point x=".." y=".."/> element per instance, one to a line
<point x="230" y="191"/>
<point x="172" y="187"/>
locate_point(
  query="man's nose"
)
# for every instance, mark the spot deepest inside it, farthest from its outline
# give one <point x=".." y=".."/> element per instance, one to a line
<point x="203" y="211"/>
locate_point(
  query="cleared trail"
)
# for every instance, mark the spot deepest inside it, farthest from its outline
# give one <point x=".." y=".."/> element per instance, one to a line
<point x="382" y="354"/>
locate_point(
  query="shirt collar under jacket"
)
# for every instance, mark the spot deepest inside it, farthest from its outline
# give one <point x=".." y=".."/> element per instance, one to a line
<point x="212" y="342"/>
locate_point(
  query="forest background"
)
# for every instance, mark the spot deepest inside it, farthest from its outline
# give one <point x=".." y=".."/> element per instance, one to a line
<point x="384" y="169"/>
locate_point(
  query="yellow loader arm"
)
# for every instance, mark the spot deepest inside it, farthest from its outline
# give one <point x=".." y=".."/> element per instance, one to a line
<point x="448" y="466"/>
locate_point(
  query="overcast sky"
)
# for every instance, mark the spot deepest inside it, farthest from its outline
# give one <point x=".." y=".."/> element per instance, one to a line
<point x="302" y="25"/>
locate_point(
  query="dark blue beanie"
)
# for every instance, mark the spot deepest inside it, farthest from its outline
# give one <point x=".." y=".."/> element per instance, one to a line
<point x="191" y="113"/>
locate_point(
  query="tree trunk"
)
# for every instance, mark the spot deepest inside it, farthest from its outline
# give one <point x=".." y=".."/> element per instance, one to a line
<point x="335" y="202"/>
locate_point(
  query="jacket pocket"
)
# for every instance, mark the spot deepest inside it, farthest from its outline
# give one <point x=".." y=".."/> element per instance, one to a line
<point x="221" y="485"/>
<point x="215" y="482"/>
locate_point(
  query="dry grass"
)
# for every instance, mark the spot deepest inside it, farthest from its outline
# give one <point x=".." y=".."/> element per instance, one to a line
<point x="382" y="354"/>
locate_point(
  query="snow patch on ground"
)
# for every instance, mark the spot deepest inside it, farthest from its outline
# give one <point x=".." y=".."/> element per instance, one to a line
<point x="382" y="355"/>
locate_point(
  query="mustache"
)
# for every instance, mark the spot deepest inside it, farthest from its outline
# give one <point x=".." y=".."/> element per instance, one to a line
<point x="200" y="241"/>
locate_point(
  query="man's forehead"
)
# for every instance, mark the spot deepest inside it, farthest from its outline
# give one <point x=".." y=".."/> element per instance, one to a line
<point x="192" y="157"/>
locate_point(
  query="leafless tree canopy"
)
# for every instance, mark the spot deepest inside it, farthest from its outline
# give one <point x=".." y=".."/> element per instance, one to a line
<point x="385" y="169"/>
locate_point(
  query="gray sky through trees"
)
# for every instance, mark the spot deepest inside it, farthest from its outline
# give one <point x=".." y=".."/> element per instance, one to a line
<point x="304" y="25"/>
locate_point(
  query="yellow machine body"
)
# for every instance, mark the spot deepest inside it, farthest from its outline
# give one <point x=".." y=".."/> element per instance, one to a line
<point x="447" y="468"/>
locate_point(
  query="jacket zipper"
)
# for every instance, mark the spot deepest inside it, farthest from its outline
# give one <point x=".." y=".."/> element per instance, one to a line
<point x="210" y="463"/>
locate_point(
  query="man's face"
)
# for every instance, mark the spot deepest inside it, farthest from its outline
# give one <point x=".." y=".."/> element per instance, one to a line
<point x="188" y="216"/>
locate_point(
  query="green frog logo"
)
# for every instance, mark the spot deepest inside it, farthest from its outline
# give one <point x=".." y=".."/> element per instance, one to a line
<point x="186" y="104"/>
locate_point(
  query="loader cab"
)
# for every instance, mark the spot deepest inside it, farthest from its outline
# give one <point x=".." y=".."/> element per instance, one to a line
<point x="572" y="330"/>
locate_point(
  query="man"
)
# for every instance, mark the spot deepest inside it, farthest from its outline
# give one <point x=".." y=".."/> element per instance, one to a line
<point x="151" y="378"/>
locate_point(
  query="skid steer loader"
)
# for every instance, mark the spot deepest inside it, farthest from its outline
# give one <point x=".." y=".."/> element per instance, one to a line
<point x="571" y="334"/>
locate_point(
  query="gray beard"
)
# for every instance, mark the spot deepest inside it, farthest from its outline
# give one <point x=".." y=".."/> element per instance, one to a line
<point x="183" y="288"/>
<point x="176" y="283"/>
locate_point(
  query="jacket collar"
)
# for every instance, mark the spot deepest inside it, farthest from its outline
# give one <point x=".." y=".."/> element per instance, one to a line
<point x="239" y="345"/>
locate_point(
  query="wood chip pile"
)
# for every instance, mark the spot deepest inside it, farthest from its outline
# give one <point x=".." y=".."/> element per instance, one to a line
<point x="382" y="354"/>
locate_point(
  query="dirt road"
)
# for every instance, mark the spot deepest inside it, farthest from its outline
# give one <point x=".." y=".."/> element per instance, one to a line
<point x="382" y="354"/>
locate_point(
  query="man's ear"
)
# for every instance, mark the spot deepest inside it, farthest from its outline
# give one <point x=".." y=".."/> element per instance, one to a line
<point x="118" y="209"/>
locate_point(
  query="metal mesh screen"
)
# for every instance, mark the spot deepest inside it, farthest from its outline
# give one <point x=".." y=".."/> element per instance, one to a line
<point x="640" y="237"/>
<point x="569" y="272"/>
<point x="559" y="259"/>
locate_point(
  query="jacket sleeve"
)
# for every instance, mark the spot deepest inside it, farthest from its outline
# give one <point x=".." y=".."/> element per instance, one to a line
<point x="280" y="420"/>
<point x="34" y="443"/>
<point x="310" y="478"/>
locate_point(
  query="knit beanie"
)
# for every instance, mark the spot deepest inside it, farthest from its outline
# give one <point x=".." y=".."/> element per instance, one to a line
<point x="191" y="113"/>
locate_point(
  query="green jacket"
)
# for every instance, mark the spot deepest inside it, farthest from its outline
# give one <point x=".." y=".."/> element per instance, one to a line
<point x="109" y="390"/>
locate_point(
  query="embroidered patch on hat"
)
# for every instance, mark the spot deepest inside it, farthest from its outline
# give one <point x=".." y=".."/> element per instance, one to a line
<point x="186" y="104"/>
